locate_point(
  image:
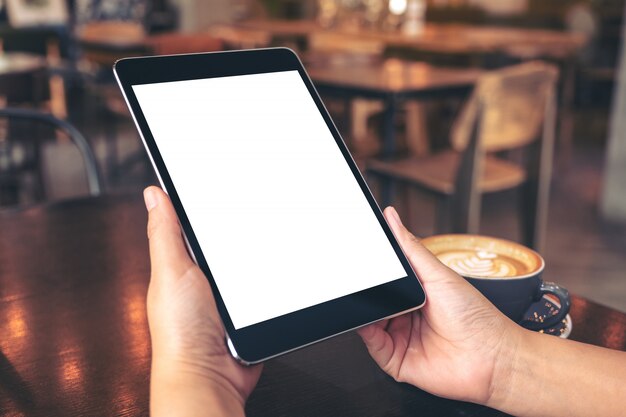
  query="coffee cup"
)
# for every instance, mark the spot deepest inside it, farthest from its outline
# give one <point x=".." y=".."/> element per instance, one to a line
<point x="507" y="273"/>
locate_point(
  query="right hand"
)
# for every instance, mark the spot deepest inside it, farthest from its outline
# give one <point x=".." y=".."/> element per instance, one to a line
<point x="457" y="346"/>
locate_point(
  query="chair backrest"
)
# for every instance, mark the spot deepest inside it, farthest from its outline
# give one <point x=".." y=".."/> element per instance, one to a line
<point x="23" y="134"/>
<point x="512" y="102"/>
<point x="509" y="108"/>
<point x="37" y="40"/>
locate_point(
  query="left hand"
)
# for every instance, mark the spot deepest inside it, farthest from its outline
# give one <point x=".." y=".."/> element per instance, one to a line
<point x="192" y="370"/>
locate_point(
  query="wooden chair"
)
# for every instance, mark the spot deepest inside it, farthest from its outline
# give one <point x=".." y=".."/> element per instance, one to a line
<point x="51" y="42"/>
<point x="510" y="108"/>
<point x="23" y="135"/>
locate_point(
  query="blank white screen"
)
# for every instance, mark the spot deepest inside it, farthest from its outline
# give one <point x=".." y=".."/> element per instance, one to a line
<point x="277" y="212"/>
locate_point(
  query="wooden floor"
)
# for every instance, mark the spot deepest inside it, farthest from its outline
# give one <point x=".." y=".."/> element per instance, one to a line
<point x="583" y="253"/>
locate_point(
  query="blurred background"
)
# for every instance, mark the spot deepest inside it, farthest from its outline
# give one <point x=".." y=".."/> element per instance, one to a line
<point x="499" y="117"/>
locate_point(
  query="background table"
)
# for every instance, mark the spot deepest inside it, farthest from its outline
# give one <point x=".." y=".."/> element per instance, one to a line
<point x="75" y="341"/>
<point x="392" y="81"/>
<point x="439" y="37"/>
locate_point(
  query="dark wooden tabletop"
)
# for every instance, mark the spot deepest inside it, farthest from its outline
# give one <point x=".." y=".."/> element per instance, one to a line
<point x="74" y="337"/>
<point x="391" y="80"/>
<point x="402" y="79"/>
<point x="439" y="37"/>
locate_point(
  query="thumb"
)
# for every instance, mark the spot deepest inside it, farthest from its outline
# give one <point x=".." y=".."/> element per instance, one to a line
<point x="168" y="255"/>
<point x="424" y="263"/>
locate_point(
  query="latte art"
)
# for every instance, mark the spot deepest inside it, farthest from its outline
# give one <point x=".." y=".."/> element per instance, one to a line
<point x="474" y="256"/>
<point x="482" y="263"/>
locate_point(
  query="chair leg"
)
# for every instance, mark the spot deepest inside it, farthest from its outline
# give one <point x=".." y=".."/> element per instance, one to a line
<point x="372" y="182"/>
<point x="387" y="191"/>
<point x="465" y="214"/>
<point x="406" y="199"/>
<point x="458" y="217"/>
<point x="473" y="214"/>
<point x="442" y="215"/>
<point x="411" y="209"/>
<point x="402" y="203"/>
<point x="110" y="137"/>
<point x="383" y="188"/>
<point x="39" y="191"/>
<point x="528" y="213"/>
<point x="9" y="193"/>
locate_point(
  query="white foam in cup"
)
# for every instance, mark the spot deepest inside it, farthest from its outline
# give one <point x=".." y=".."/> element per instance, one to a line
<point x="476" y="256"/>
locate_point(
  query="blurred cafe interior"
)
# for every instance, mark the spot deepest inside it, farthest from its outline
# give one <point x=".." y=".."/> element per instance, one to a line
<point x="406" y="83"/>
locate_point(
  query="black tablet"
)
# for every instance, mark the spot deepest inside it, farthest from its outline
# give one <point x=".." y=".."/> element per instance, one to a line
<point x="273" y="207"/>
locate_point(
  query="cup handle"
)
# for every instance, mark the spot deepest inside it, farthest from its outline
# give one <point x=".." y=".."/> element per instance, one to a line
<point x="563" y="295"/>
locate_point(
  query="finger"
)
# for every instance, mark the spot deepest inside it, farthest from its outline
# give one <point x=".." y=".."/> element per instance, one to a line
<point x="168" y="255"/>
<point x="424" y="263"/>
<point x="379" y="344"/>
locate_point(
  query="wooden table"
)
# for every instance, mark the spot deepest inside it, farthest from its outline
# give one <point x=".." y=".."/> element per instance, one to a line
<point x="393" y="82"/>
<point x="75" y="341"/>
<point x="439" y="37"/>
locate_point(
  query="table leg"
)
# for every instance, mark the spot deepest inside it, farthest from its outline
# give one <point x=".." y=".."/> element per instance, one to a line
<point x="416" y="131"/>
<point x="387" y="192"/>
<point x="566" y="116"/>
<point x="389" y="116"/>
<point x="389" y="148"/>
<point x="347" y="129"/>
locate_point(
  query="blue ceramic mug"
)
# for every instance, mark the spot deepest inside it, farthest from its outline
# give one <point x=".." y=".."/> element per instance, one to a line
<point x="505" y="272"/>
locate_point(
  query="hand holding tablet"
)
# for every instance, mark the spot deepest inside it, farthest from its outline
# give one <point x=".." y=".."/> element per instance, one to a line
<point x="244" y="147"/>
<point x="191" y="370"/>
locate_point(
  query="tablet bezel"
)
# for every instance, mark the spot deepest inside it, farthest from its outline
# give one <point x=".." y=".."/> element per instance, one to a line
<point x="267" y="339"/>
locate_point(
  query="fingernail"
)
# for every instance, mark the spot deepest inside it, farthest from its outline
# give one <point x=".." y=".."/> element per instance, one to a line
<point x="150" y="198"/>
<point x="394" y="215"/>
